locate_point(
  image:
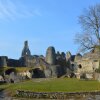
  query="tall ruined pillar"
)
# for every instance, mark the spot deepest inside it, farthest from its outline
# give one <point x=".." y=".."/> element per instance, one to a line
<point x="68" y="59"/>
<point x="68" y="56"/>
<point x="26" y="51"/>
<point x="3" y="61"/>
<point x="51" y="56"/>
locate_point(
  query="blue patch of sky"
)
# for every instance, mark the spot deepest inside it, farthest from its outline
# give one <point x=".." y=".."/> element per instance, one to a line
<point x="43" y="23"/>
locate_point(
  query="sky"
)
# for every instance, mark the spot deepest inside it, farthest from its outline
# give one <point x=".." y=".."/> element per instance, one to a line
<point x="43" y="23"/>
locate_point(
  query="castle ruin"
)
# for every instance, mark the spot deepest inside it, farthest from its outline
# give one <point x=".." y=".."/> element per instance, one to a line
<point x="54" y="64"/>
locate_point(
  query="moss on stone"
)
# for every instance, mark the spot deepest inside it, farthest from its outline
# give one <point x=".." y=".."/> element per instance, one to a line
<point x="18" y="69"/>
<point x="97" y="48"/>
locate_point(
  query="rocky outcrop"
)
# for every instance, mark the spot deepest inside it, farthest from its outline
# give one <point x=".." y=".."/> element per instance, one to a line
<point x="1" y="79"/>
<point x="13" y="76"/>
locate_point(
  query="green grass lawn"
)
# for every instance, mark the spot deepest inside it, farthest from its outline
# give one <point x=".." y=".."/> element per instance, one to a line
<point x="54" y="85"/>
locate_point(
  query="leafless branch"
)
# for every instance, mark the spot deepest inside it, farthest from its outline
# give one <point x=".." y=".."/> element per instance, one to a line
<point x="90" y="22"/>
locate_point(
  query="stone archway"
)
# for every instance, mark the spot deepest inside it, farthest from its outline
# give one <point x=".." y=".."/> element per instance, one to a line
<point x="38" y="73"/>
<point x="11" y="75"/>
<point x="9" y="71"/>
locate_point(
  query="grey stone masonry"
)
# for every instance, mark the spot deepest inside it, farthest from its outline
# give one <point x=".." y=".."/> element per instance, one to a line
<point x="51" y="55"/>
<point x="26" y="50"/>
<point x="3" y="61"/>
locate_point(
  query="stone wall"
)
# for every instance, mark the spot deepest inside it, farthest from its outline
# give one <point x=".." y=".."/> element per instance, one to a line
<point x="13" y="63"/>
<point x="3" y="61"/>
<point x="56" y="95"/>
<point x="97" y="76"/>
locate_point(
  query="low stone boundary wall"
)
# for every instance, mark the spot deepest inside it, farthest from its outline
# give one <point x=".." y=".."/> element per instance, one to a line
<point x="54" y="95"/>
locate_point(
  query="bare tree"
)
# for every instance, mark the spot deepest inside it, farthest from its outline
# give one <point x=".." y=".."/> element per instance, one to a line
<point x="90" y="23"/>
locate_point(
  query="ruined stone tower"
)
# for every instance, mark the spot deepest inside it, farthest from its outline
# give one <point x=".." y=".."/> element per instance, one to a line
<point x="3" y="61"/>
<point x="26" y="51"/>
<point x="51" y="55"/>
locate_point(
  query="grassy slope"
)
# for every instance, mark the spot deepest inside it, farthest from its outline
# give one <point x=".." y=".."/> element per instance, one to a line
<point x="54" y="85"/>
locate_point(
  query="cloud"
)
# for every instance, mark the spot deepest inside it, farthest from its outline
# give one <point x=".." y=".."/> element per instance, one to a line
<point x="10" y="10"/>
